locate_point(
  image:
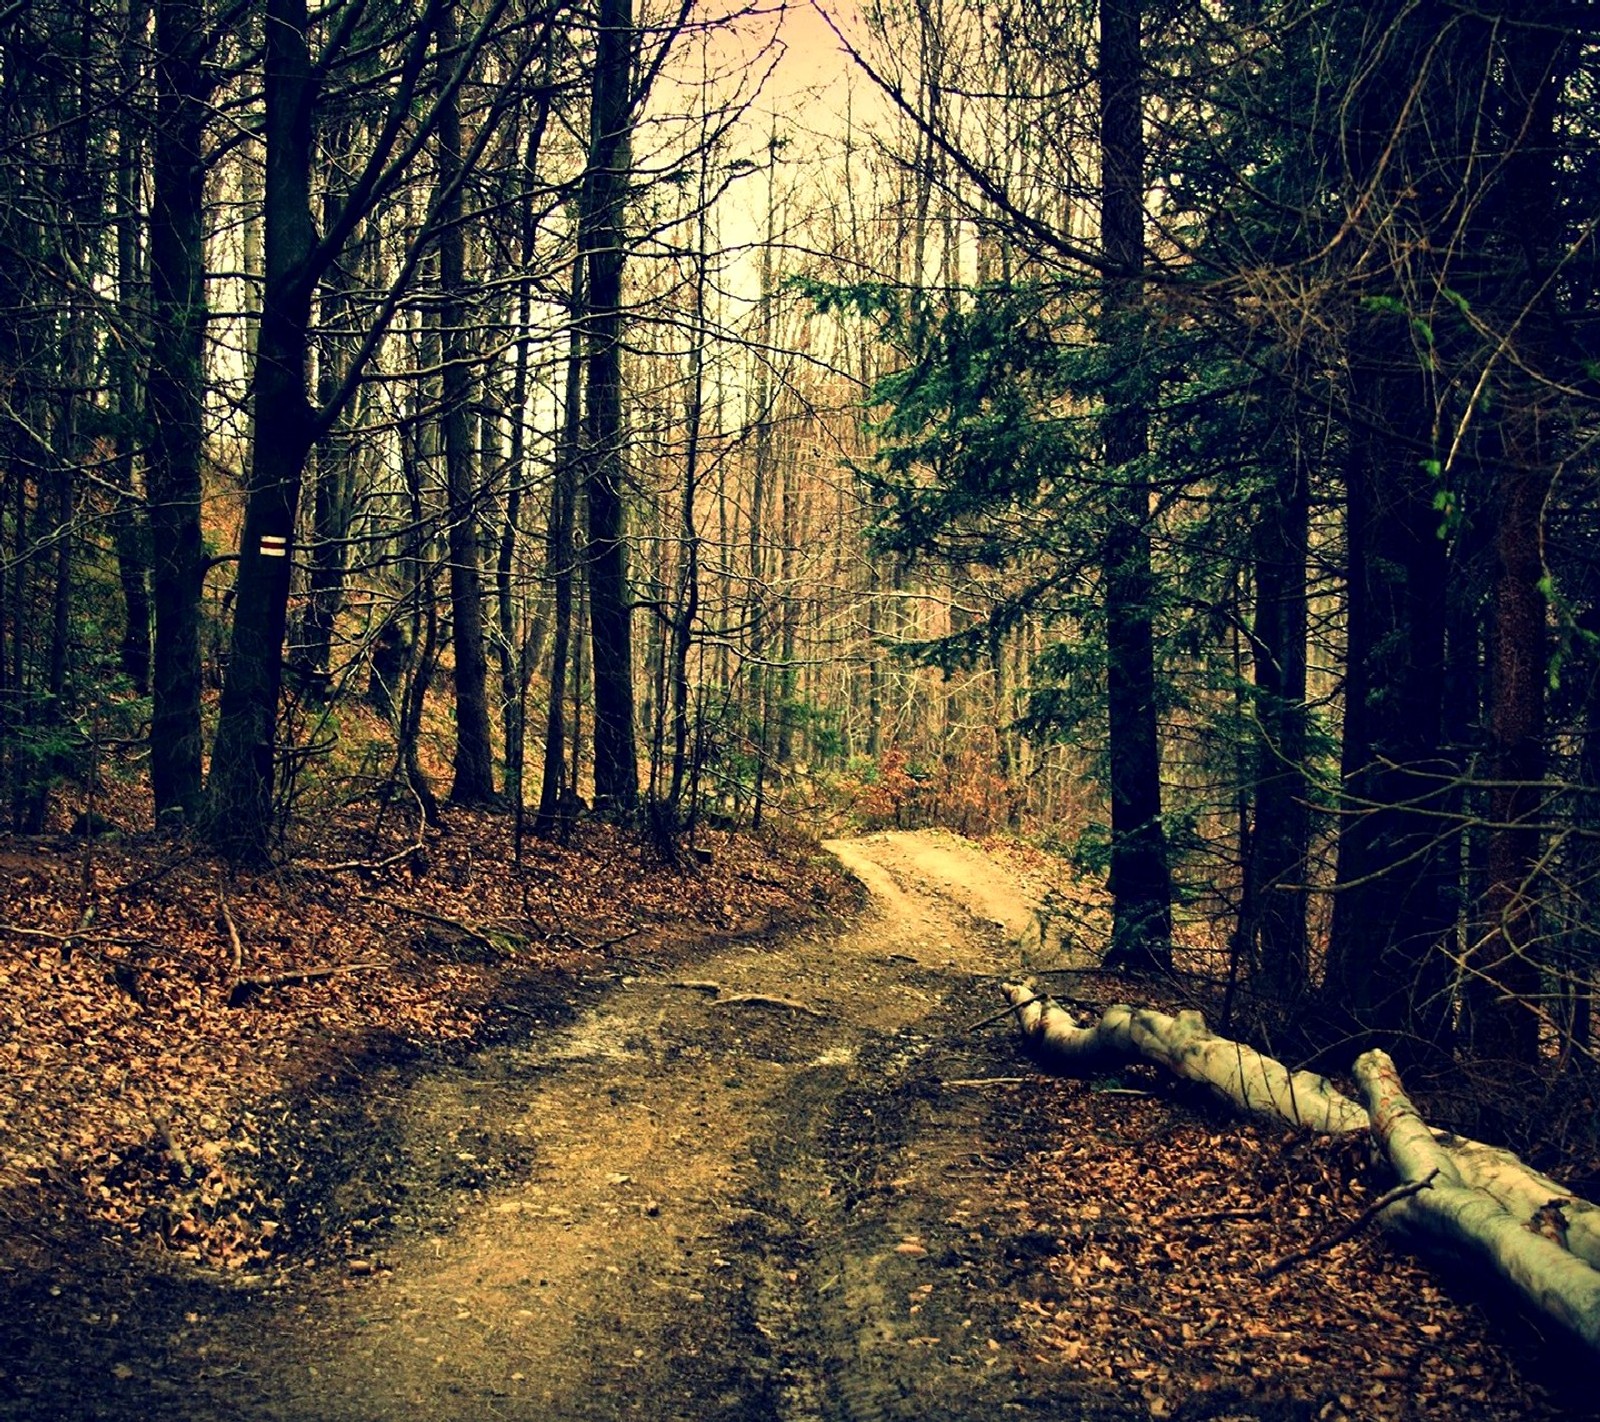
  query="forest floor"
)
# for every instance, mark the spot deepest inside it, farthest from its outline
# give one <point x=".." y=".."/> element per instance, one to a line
<point x="593" y="1137"/>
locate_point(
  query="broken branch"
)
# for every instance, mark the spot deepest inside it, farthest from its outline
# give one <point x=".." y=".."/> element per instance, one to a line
<point x="761" y="999"/>
<point x="1349" y="1231"/>
<point x="246" y="988"/>
<point x="234" y="942"/>
<point x="477" y="934"/>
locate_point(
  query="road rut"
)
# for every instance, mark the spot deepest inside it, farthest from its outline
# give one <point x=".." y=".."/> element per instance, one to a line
<point x="762" y="1185"/>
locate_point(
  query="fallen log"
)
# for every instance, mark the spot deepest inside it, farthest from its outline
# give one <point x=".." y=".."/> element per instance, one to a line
<point x="1543" y="1270"/>
<point x="1536" y="1199"/>
<point x="1247" y="1079"/>
<point x="1470" y="1196"/>
<point x="1058" y="1039"/>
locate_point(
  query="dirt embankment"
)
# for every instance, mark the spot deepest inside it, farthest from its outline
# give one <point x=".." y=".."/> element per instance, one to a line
<point x="786" y="1180"/>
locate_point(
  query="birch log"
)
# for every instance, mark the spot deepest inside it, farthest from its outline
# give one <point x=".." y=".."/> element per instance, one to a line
<point x="1537" y="1235"/>
<point x="1536" y="1199"/>
<point x="1543" y="1270"/>
<point x="1056" y="1036"/>
<point x="1245" y="1078"/>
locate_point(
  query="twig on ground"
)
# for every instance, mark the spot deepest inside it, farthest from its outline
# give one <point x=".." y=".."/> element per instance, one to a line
<point x="1254" y="1212"/>
<point x="442" y="920"/>
<point x="371" y="866"/>
<point x="1006" y="1011"/>
<point x="67" y="940"/>
<point x="1350" y="1231"/>
<point x="84" y="934"/>
<point x="235" y="945"/>
<point x="603" y="944"/>
<point x="985" y="1081"/>
<point x="49" y="933"/>
<point x="247" y="988"/>
<point x="761" y="999"/>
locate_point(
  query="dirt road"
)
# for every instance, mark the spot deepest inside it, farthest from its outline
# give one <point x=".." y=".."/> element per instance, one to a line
<point x="759" y="1184"/>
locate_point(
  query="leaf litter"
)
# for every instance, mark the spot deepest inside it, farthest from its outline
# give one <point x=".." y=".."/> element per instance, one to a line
<point x="1153" y="1220"/>
<point x="135" y="1075"/>
<point x="132" y="1095"/>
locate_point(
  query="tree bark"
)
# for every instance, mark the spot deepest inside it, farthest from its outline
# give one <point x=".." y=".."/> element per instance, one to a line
<point x="473" y="765"/>
<point x="601" y="244"/>
<point x="1141" y="939"/>
<point x="240" y="790"/>
<point x="174" y="399"/>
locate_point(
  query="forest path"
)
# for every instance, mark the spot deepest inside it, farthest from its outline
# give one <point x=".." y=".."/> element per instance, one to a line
<point x="761" y="1186"/>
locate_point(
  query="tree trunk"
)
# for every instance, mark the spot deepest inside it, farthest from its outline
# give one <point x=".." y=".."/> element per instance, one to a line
<point x="334" y="500"/>
<point x="758" y="677"/>
<point x="1280" y="834"/>
<point x="240" y="790"/>
<point x="130" y="528"/>
<point x="517" y="654"/>
<point x="1388" y="974"/>
<point x="686" y="599"/>
<point x="1503" y="986"/>
<point x="473" y="766"/>
<point x="601" y="239"/>
<point x="789" y="531"/>
<point x="174" y="400"/>
<point x="1392" y="911"/>
<point x="422" y="645"/>
<point x="1141" y="892"/>
<point x="551" y="820"/>
<point x="1580" y="946"/>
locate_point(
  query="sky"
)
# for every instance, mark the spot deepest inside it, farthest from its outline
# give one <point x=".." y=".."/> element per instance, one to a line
<point x="813" y="59"/>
